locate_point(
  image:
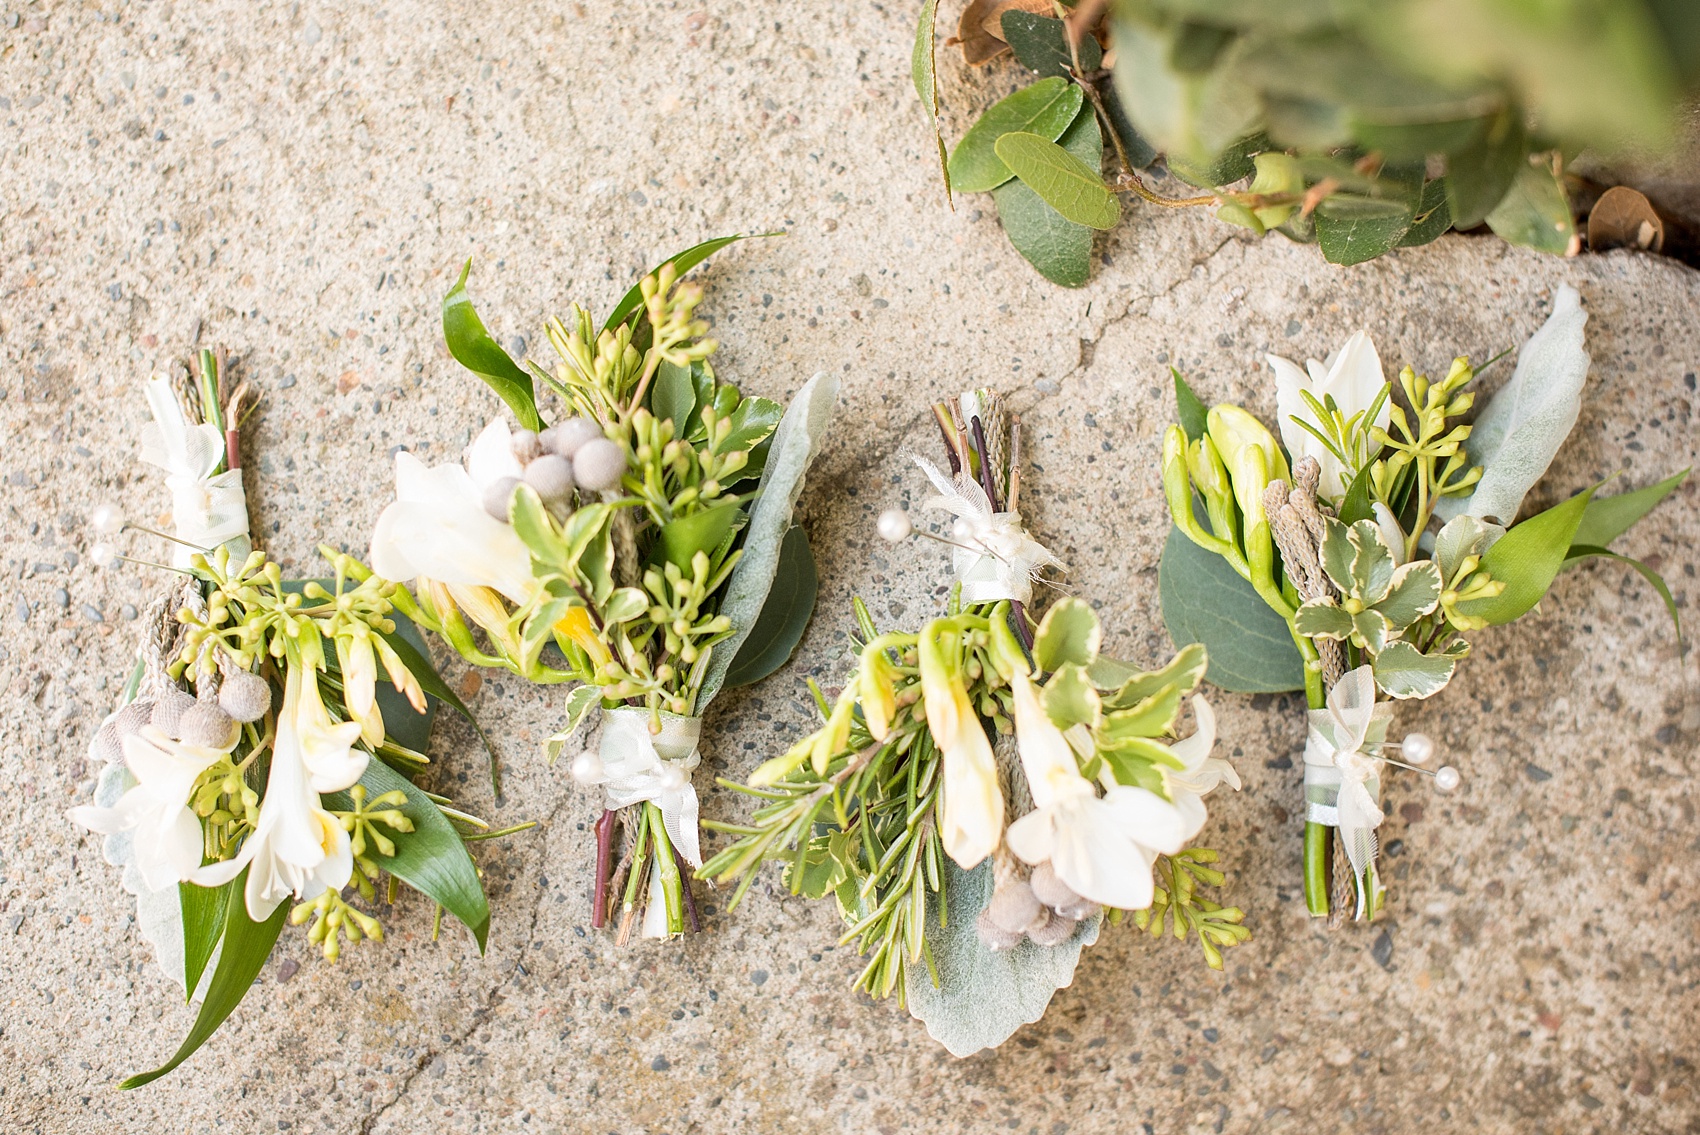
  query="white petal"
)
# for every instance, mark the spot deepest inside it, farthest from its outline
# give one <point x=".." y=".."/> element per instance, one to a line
<point x="1046" y="759"/>
<point x="491" y="456"/>
<point x="1290" y="381"/>
<point x="1149" y="820"/>
<point x="1195" y="749"/>
<point x="1033" y="837"/>
<point x="1355" y="377"/>
<point x="1190" y="804"/>
<point x="973" y="801"/>
<point x="1096" y="858"/>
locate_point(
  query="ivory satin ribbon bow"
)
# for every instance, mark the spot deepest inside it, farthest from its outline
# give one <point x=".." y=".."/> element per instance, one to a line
<point x="1001" y="559"/>
<point x="639" y="766"/>
<point x="1342" y="778"/>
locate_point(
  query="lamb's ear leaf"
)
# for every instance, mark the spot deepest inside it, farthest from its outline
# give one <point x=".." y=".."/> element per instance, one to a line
<point x="246" y="946"/>
<point x="473" y="348"/>
<point x="982" y="996"/>
<point x="794" y="445"/>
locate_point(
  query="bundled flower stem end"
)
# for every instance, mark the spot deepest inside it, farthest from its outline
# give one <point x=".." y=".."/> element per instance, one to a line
<point x="257" y="772"/>
<point x="1380" y="530"/>
<point x="625" y="551"/>
<point x="990" y="736"/>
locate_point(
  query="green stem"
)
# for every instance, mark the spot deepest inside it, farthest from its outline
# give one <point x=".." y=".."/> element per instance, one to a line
<point x="640" y="870"/>
<point x="1317" y="838"/>
<point x="671" y="884"/>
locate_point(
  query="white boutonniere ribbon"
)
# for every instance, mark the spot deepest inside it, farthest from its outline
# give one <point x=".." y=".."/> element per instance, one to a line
<point x="640" y="766"/>
<point x="1342" y="777"/>
<point x="995" y="558"/>
<point x="208" y="510"/>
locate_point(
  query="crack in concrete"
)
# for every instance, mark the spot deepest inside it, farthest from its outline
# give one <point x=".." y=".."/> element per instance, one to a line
<point x="491" y="1000"/>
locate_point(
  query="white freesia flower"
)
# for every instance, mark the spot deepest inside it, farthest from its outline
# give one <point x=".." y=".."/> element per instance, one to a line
<point x="1202" y="773"/>
<point x="327" y="747"/>
<point x="1105" y="847"/>
<point x="972" y="823"/>
<point x="438" y="528"/>
<point x="297" y="848"/>
<point x="1353" y="376"/>
<point x="166" y="835"/>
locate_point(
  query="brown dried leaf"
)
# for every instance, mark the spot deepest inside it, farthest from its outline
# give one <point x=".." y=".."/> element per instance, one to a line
<point x="980" y="32"/>
<point x="1624" y="218"/>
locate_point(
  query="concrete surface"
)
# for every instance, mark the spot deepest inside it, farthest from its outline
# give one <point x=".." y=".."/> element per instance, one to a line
<point x="300" y="182"/>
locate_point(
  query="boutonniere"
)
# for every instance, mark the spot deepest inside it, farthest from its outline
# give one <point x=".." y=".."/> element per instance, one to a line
<point x="1356" y="557"/>
<point x="263" y="757"/>
<point x="636" y="547"/>
<point x="986" y="791"/>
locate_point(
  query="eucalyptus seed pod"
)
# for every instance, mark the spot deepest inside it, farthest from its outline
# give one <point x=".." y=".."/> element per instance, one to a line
<point x="1054" y="931"/>
<point x="1052" y="891"/>
<point x="108" y="743"/>
<point x="206" y="726"/>
<point x="245" y="695"/>
<point x="994" y="936"/>
<point x="1013" y="906"/>
<point x="568" y="437"/>
<point x="526" y="446"/>
<point x="552" y="476"/>
<point x="168" y="711"/>
<point x="497" y="496"/>
<point x="599" y="464"/>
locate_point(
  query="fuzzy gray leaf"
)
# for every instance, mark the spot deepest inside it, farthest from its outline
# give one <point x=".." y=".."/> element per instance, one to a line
<point x="983" y="997"/>
<point x="792" y="450"/>
<point x="1517" y="435"/>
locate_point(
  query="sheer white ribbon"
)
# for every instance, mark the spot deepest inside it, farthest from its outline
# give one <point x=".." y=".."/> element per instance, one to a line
<point x="1001" y="560"/>
<point x="1342" y="779"/>
<point x="208" y="510"/>
<point x="639" y="766"/>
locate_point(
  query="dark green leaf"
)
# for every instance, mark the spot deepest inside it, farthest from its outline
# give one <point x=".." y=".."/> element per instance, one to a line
<point x="418" y="662"/>
<point x="204" y="912"/>
<point x="474" y="349"/>
<point x="1063" y="181"/>
<point x="432" y="858"/>
<point x="1060" y="249"/>
<point x="921" y="70"/>
<point x="1140" y="153"/>
<point x="1204" y="600"/>
<point x="1356" y="505"/>
<point x="1047" y="108"/>
<point x="1535" y="213"/>
<point x="673" y="396"/>
<point x="1434" y="216"/>
<point x="1527" y="558"/>
<point x="1580" y="552"/>
<point x="632" y="301"/>
<point x="1189" y="408"/>
<point x="1607" y="518"/>
<point x="246" y="946"/>
<point x="703" y="531"/>
<point x="1347" y="239"/>
<point x="785" y="615"/>
<point x="1040" y="44"/>
<point x="1230" y="165"/>
<point x="1479" y="174"/>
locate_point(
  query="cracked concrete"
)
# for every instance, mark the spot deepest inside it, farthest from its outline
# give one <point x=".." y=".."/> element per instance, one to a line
<point x="300" y="183"/>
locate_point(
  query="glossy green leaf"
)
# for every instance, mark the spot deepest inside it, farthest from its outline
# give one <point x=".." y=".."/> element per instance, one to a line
<point x="1130" y="685"/>
<point x="1607" y="518"/>
<point x="474" y="348"/>
<point x="1061" y="180"/>
<point x="1069" y="698"/>
<point x="922" y="71"/>
<point x="785" y="615"/>
<point x="1527" y="558"/>
<point x="418" y="662"/>
<point x="1205" y="601"/>
<point x="246" y="945"/>
<point x="1535" y="213"/>
<point x="1359" y="501"/>
<point x="752" y="423"/>
<point x="1040" y="44"/>
<point x="632" y="302"/>
<point x="1434" y="216"/>
<point x="982" y="995"/>
<point x="1068" y="635"/>
<point x="626" y="604"/>
<point x="204" y="914"/>
<point x="1480" y="173"/>
<point x="1353" y="230"/>
<point x="673" y="396"/>
<point x="1060" y="249"/>
<point x="1190" y="410"/>
<point x="432" y="858"/>
<point x="681" y="539"/>
<point x="1046" y="108"/>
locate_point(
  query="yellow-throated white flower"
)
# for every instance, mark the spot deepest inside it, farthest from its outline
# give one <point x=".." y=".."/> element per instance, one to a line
<point x="164" y="831"/>
<point x="1202" y="772"/>
<point x="326" y="746"/>
<point x="1103" y="848"/>
<point x="972" y="823"/>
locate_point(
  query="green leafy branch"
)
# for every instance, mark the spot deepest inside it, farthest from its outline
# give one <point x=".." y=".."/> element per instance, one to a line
<point x="1180" y="909"/>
